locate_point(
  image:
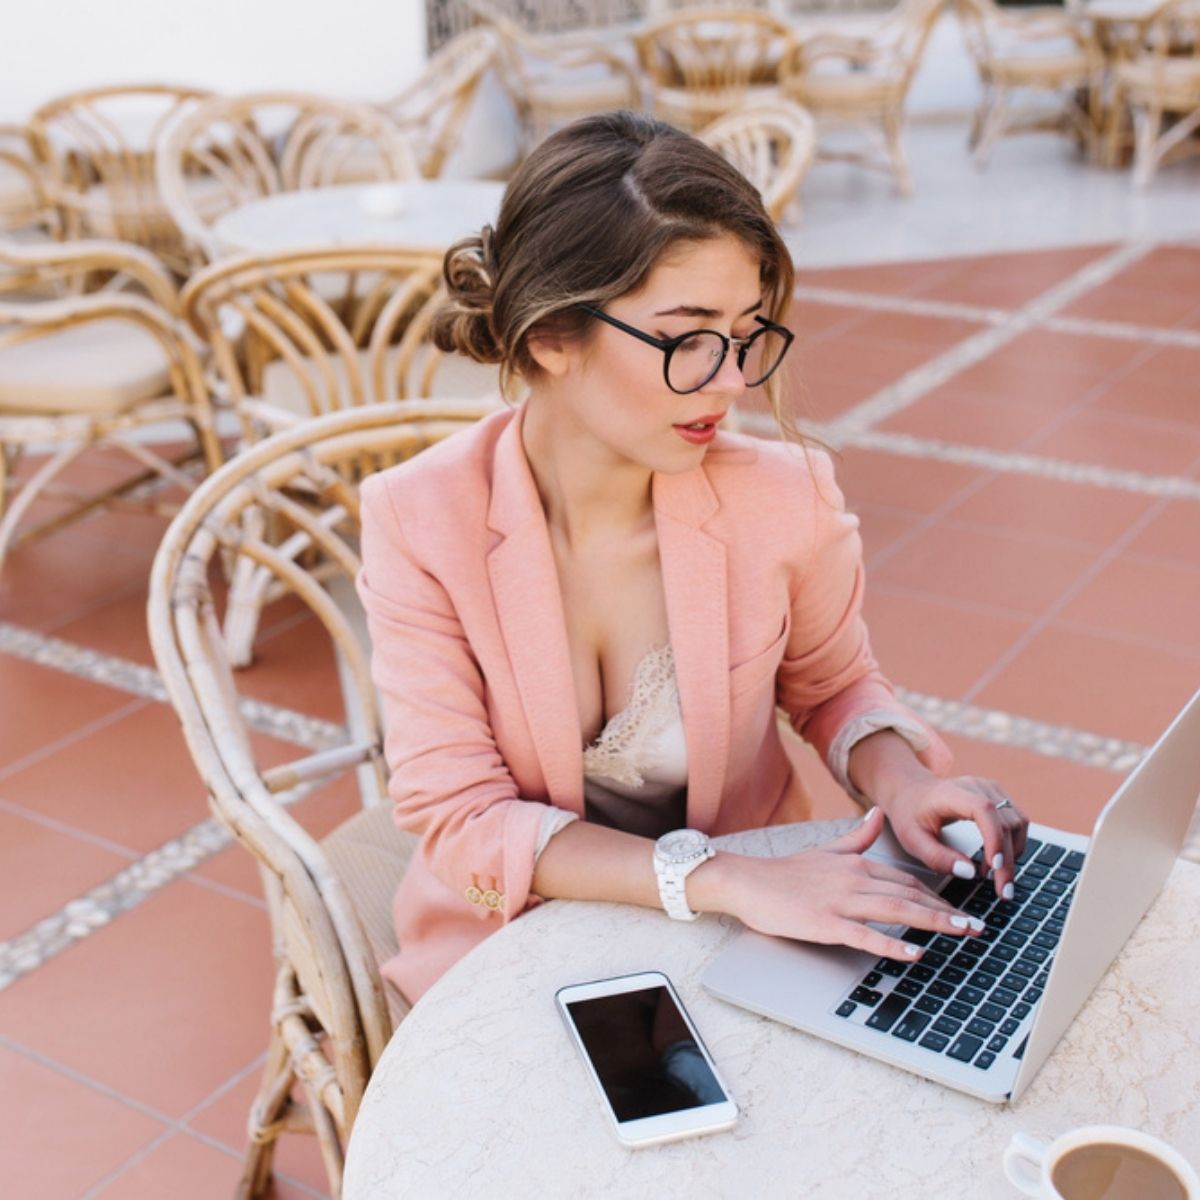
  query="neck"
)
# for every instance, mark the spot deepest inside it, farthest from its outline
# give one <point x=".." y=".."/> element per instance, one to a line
<point x="585" y="488"/>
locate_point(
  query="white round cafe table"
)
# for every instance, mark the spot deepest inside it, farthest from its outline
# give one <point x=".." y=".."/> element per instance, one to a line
<point x="480" y="1093"/>
<point x="424" y="214"/>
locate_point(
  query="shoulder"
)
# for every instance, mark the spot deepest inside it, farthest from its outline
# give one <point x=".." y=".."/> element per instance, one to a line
<point x="738" y="465"/>
<point x="446" y="474"/>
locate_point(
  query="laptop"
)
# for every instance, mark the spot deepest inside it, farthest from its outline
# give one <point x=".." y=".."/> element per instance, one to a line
<point x="981" y="1014"/>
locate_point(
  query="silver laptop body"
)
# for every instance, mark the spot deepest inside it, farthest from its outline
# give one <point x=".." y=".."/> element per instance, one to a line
<point x="1133" y="847"/>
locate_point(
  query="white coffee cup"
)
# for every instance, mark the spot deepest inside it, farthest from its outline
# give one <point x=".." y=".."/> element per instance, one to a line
<point x="1030" y="1163"/>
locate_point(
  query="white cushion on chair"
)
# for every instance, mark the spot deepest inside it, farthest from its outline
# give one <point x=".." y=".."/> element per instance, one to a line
<point x="101" y="367"/>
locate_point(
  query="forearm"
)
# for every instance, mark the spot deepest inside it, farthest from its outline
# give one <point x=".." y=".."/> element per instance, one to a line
<point x="882" y="764"/>
<point x="592" y="862"/>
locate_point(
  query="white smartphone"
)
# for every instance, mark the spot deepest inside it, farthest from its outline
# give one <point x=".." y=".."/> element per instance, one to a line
<point x="656" y="1078"/>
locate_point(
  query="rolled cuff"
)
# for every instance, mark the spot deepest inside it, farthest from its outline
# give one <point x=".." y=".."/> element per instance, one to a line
<point x="554" y="820"/>
<point x="865" y="724"/>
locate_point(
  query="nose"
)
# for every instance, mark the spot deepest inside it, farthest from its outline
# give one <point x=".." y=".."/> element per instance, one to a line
<point x="729" y="380"/>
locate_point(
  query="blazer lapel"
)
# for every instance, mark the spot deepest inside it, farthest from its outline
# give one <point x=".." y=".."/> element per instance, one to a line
<point x="528" y="601"/>
<point x="693" y="568"/>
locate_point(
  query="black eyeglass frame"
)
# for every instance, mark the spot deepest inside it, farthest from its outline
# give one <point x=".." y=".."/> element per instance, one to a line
<point x="669" y="345"/>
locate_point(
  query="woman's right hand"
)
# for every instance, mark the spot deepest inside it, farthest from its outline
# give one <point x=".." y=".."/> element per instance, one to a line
<point x="828" y="894"/>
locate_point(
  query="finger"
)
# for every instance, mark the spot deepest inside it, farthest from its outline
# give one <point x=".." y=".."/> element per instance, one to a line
<point x="882" y="871"/>
<point x="1005" y="873"/>
<point x="909" y="907"/>
<point x="862" y="937"/>
<point x="991" y="827"/>
<point x="1014" y="819"/>
<point x="861" y="837"/>
<point x="934" y="853"/>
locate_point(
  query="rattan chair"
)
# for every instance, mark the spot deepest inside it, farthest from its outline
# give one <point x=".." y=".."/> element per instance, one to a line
<point x="772" y="144"/>
<point x="297" y="334"/>
<point x="1039" y="50"/>
<point x="96" y="148"/>
<point x="329" y="901"/>
<point x="234" y="149"/>
<point x="433" y="109"/>
<point x="552" y="79"/>
<point x="1161" y="86"/>
<point x="862" y="82"/>
<point x="84" y="367"/>
<point x="24" y="207"/>
<point x="701" y="63"/>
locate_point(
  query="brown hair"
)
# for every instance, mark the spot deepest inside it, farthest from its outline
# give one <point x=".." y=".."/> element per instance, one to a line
<point x="585" y="219"/>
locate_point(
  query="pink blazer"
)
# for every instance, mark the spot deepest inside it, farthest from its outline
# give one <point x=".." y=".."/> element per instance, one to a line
<point x="762" y="571"/>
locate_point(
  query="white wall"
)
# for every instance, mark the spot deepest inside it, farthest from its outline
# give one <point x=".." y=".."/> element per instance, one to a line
<point x="365" y="49"/>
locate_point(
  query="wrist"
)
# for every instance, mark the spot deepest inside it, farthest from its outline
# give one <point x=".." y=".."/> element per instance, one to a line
<point x="884" y="766"/>
<point x="710" y="886"/>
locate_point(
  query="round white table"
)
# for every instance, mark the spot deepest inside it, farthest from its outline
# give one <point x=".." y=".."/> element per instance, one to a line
<point x="424" y="214"/>
<point x="480" y="1092"/>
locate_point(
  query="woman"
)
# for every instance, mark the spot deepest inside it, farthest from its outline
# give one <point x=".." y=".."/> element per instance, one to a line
<point x="590" y="606"/>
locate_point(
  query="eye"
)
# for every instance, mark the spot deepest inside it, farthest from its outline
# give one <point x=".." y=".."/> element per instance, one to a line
<point x="693" y="344"/>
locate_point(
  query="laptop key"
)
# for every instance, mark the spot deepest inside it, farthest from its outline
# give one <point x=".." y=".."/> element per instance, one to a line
<point x="1022" y="1010"/>
<point x="1003" y="997"/>
<point x="985" y="1060"/>
<point x="997" y="1044"/>
<point x="872" y="979"/>
<point x="958" y="1010"/>
<point x="1014" y="983"/>
<point x="1025" y="924"/>
<point x="921" y="973"/>
<point x="930" y="960"/>
<point x="1052" y="887"/>
<point x="847" y="1008"/>
<point x="994" y="964"/>
<point x="984" y="981"/>
<point x="1005" y="952"/>
<point x="884" y="1017"/>
<point x="918" y="937"/>
<point x="942" y="945"/>
<point x="1047" y="940"/>
<point x="952" y="975"/>
<point x="1073" y="861"/>
<point x="978" y="1028"/>
<point x="1034" y="870"/>
<point x="1054" y="926"/>
<point x="907" y="987"/>
<point x="1035" y="953"/>
<point x="863" y="995"/>
<point x="1063" y="875"/>
<point x="1024" y="967"/>
<point x="941" y="989"/>
<point x="911" y="1025"/>
<point x="1041" y="979"/>
<point x="1032" y="846"/>
<point x="1032" y="995"/>
<point x="965" y="1047"/>
<point x="935" y="1041"/>
<point x="970" y="995"/>
<point x="929" y="1004"/>
<point x="889" y="966"/>
<point x="947" y="1026"/>
<point x="991" y="1012"/>
<point x="1035" y="912"/>
<point x="1009" y="1026"/>
<point x="977" y="905"/>
<point x="1014" y="939"/>
<point x="965" y="961"/>
<point x="1050" y="854"/>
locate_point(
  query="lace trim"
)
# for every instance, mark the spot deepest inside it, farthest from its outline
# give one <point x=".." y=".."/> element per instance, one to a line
<point x="653" y="705"/>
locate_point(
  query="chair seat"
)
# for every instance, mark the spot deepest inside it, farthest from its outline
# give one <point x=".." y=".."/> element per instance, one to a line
<point x="1174" y="83"/>
<point x="18" y="203"/>
<point x="101" y="367"/>
<point x="457" y="377"/>
<point x="1039" y="70"/>
<point x="138" y="214"/>
<point x="696" y="107"/>
<point x="847" y="91"/>
<point x="370" y="854"/>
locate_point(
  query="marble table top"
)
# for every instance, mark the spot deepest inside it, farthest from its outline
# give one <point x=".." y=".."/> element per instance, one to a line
<point x="480" y="1090"/>
<point x="423" y="214"/>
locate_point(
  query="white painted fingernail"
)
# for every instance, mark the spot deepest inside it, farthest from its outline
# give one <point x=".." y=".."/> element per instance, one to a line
<point x="911" y="950"/>
<point x="997" y="862"/>
<point x="1008" y="892"/>
<point x="959" y="922"/>
<point x="963" y="869"/>
<point x="869" y="815"/>
<point x="975" y="923"/>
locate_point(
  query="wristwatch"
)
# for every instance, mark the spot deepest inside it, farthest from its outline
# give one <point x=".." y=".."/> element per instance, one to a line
<point x="676" y="856"/>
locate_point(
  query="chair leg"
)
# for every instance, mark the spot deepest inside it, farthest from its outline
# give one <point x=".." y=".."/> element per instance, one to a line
<point x="267" y="1116"/>
<point x="11" y="511"/>
<point x="893" y="132"/>
<point x="1147" y="123"/>
<point x="993" y="129"/>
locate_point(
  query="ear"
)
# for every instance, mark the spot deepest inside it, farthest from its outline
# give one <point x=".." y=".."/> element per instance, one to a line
<point x="552" y="353"/>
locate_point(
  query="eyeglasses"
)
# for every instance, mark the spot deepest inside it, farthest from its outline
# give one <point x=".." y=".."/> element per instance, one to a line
<point x="692" y="359"/>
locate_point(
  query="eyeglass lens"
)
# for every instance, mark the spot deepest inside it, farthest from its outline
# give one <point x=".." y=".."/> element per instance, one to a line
<point x="697" y="358"/>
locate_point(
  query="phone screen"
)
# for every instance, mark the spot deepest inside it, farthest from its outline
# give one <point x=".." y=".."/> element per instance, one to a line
<point x="644" y="1053"/>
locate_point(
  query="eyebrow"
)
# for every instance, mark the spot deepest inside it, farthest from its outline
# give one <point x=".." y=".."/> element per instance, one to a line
<point x="696" y="310"/>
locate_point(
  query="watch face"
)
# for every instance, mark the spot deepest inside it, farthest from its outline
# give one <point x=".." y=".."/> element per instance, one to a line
<point x="682" y="844"/>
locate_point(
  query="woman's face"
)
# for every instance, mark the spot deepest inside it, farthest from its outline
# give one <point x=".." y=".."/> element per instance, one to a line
<point x="614" y="387"/>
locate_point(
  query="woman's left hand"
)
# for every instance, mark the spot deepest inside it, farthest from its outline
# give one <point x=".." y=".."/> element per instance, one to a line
<point x="919" y="807"/>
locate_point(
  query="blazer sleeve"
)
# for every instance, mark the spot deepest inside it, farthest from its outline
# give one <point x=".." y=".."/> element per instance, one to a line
<point x="829" y="677"/>
<point x="448" y="780"/>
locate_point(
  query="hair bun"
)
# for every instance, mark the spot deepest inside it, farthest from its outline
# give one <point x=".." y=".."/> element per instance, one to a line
<point x="464" y="323"/>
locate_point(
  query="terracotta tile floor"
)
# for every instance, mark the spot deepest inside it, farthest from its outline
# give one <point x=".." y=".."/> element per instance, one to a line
<point x="1014" y="564"/>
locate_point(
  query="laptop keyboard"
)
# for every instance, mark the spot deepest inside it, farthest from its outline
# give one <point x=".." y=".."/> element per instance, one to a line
<point x="969" y="996"/>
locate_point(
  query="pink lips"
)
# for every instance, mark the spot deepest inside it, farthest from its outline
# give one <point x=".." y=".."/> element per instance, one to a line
<point x="701" y="431"/>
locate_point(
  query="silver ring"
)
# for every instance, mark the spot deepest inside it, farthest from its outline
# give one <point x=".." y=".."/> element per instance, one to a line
<point x="1005" y="803"/>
